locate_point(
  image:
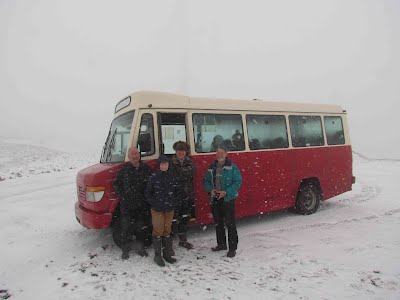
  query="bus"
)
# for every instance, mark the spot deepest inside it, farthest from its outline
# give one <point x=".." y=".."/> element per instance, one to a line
<point x="290" y="155"/>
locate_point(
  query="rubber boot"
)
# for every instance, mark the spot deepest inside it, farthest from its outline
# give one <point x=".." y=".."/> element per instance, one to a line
<point x="167" y="251"/>
<point x="157" y="244"/>
<point x="183" y="242"/>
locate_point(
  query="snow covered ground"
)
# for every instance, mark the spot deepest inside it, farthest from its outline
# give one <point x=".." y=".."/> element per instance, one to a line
<point x="349" y="249"/>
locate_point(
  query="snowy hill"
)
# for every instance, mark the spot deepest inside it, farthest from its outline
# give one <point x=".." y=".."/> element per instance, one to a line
<point x="24" y="160"/>
<point x="349" y="249"/>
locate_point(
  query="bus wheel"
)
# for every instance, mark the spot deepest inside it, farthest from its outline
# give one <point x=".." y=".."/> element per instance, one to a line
<point x="308" y="198"/>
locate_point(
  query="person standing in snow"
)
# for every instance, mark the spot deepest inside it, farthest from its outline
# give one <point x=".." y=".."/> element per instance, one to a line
<point x="183" y="168"/>
<point x="222" y="181"/>
<point x="161" y="193"/>
<point x="129" y="185"/>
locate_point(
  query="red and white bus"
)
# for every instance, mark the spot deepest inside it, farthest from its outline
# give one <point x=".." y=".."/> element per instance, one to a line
<point x="290" y="155"/>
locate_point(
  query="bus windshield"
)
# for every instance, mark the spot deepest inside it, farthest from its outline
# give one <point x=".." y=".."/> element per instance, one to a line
<point x="116" y="144"/>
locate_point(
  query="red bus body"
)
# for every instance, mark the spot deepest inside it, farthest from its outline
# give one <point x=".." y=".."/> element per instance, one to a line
<point x="271" y="180"/>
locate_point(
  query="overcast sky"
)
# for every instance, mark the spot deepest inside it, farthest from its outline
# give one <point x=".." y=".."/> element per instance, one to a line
<point x="65" y="64"/>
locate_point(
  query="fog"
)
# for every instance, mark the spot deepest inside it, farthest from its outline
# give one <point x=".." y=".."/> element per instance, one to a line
<point x="65" y="64"/>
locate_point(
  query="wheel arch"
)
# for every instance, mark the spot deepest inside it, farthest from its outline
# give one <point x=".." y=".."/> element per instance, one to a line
<point x="310" y="180"/>
<point x="301" y="207"/>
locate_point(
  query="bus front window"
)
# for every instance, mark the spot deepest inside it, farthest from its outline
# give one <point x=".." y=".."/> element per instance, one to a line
<point x="116" y="144"/>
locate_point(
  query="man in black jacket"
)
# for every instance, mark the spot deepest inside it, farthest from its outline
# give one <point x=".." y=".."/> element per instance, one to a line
<point x="130" y="184"/>
<point x="184" y="169"/>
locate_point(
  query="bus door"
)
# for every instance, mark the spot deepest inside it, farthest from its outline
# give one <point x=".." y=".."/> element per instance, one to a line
<point x="172" y="128"/>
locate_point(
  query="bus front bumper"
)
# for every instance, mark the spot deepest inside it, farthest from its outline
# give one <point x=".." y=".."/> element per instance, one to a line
<point x="91" y="219"/>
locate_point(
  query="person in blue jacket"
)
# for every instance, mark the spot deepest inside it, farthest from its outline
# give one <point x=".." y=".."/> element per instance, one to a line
<point x="161" y="194"/>
<point x="222" y="181"/>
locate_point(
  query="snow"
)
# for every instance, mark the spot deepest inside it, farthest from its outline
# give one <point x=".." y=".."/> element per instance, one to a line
<point x="349" y="249"/>
<point x="21" y="160"/>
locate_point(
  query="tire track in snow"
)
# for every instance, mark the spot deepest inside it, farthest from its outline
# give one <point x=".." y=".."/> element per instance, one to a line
<point x="368" y="192"/>
<point x="324" y="224"/>
<point x="376" y="159"/>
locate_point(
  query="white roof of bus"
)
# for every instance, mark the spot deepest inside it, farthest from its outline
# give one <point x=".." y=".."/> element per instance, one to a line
<point x="143" y="99"/>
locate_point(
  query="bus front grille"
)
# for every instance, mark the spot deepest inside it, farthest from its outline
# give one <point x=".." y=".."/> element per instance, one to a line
<point x="81" y="193"/>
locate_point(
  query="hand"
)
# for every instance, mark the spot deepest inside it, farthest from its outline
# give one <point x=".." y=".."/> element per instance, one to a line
<point x="213" y="191"/>
<point x="222" y="194"/>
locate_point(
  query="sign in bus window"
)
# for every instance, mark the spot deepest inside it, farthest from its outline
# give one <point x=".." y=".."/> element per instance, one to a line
<point x="170" y="134"/>
<point x="210" y="130"/>
<point x="334" y="130"/>
<point x="306" y="131"/>
<point x="267" y="132"/>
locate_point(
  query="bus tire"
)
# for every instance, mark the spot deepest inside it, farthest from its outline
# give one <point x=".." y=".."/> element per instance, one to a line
<point x="308" y="199"/>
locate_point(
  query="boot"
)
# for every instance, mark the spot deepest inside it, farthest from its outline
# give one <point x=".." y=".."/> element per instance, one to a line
<point x="167" y="251"/>
<point x="183" y="242"/>
<point x="219" y="248"/>
<point x="141" y="250"/>
<point x="125" y="252"/>
<point x="157" y="244"/>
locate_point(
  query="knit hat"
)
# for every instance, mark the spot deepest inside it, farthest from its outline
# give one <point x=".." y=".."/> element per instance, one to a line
<point x="163" y="158"/>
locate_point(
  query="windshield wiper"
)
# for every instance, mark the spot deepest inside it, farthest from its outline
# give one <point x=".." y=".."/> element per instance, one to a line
<point x="103" y="152"/>
<point x="109" y="146"/>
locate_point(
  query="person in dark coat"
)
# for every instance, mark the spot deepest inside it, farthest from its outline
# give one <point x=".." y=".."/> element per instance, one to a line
<point x="217" y="140"/>
<point x="237" y="141"/>
<point x="222" y="181"/>
<point x="130" y="185"/>
<point x="161" y="192"/>
<point x="183" y="168"/>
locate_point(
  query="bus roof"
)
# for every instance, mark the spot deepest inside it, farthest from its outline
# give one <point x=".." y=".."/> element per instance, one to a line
<point x="147" y="99"/>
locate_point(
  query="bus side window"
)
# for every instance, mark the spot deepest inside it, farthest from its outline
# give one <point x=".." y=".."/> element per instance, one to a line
<point x="210" y="130"/>
<point x="306" y="131"/>
<point x="267" y="131"/>
<point x="334" y="130"/>
<point x="145" y="142"/>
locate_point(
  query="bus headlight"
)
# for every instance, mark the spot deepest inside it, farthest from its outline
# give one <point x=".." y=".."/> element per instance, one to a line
<point x="94" y="193"/>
